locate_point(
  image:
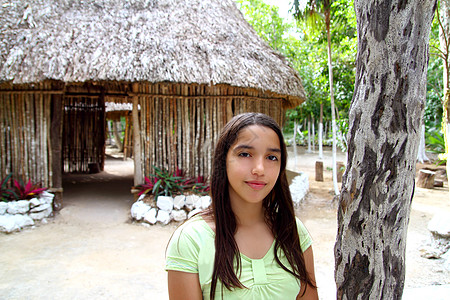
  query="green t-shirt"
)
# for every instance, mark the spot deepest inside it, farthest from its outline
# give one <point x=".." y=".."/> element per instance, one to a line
<point x="192" y="250"/>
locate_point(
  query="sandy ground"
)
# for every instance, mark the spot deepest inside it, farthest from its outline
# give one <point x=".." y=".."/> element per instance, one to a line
<point x="91" y="250"/>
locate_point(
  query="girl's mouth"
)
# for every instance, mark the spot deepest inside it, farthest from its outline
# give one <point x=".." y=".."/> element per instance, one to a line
<point x="256" y="185"/>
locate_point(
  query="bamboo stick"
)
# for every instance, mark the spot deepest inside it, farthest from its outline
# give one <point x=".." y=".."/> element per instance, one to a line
<point x="163" y="129"/>
<point x="137" y="144"/>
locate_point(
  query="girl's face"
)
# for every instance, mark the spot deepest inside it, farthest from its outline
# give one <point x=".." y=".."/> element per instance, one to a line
<point x="253" y="165"/>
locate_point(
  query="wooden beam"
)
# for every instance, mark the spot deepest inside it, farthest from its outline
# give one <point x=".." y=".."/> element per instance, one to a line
<point x="56" y="144"/>
<point x="31" y="92"/>
<point x="138" y="178"/>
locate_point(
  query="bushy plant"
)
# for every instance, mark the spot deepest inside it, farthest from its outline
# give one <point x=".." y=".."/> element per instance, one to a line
<point x="197" y="185"/>
<point x="6" y="192"/>
<point x="19" y="190"/>
<point x="27" y="190"/>
<point x="166" y="183"/>
<point x="435" y="140"/>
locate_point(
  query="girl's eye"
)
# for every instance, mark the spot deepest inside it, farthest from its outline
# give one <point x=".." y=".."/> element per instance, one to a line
<point x="244" y="154"/>
<point x="272" y="158"/>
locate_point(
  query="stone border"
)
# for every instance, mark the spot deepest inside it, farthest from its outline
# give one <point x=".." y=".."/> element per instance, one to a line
<point x="182" y="207"/>
<point x="167" y="209"/>
<point x="16" y="215"/>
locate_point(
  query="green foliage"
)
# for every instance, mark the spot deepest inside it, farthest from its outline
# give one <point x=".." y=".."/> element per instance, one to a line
<point x="435" y="141"/>
<point x="305" y="47"/>
<point x="27" y="190"/>
<point x="18" y="190"/>
<point x="434" y="108"/>
<point x="342" y="125"/>
<point x="6" y="192"/>
<point x="266" y="21"/>
<point x="166" y="183"/>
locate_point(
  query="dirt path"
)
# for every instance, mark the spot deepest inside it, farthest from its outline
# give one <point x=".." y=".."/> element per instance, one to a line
<point x="90" y="250"/>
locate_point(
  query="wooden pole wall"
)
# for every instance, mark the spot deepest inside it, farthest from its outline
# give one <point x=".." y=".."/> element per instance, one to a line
<point x="25" y="141"/>
<point x="83" y="133"/>
<point x="174" y="126"/>
<point x="180" y="130"/>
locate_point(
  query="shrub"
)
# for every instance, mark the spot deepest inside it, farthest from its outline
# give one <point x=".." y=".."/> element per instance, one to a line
<point x="19" y="190"/>
<point x="166" y="183"/>
<point x="28" y="190"/>
<point x="6" y="192"/>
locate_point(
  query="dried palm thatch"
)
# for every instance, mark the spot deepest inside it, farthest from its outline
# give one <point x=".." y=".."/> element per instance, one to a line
<point x="184" y="41"/>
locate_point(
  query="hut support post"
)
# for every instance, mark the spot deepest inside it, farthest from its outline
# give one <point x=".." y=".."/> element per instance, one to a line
<point x="136" y="144"/>
<point x="56" y="144"/>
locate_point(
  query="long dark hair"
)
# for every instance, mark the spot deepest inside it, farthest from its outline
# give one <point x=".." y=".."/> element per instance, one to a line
<point x="279" y="210"/>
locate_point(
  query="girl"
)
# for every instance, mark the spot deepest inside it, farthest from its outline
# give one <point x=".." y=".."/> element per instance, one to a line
<point x="249" y="244"/>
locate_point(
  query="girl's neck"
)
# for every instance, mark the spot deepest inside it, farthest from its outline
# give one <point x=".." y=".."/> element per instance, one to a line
<point x="248" y="215"/>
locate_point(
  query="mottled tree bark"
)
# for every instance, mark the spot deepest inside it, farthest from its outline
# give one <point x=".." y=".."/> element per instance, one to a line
<point x="385" y="118"/>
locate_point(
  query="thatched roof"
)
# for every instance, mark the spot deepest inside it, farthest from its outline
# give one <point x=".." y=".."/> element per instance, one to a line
<point x="187" y="41"/>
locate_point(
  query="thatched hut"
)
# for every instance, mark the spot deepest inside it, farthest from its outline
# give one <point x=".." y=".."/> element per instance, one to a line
<point x="187" y="66"/>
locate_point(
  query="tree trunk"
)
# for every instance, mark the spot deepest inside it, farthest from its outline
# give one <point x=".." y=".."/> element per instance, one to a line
<point x="333" y="112"/>
<point x="421" y="154"/>
<point x="319" y="170"/>
<point x="425" y="179"/>
<point x="309" y="135"/>
<point x="385" y="117"/>
<point x="320" y="142"/>
<point x="117" y="130"/>
<point x="313" y="135"/>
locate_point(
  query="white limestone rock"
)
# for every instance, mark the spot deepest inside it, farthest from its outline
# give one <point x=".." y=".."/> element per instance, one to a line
<point x="24" y="220"/>
<point x="206" y="202"/>
<point x="18" y="207"/>
<point x="189" y="203"/>
<point x="179" y="215"/>
<point x="193" y="201"/>
<point x="35" y="202"/>
<point x="40" y="215"/>
<point x="139" y="209"/>
<point x="193" y="212"/>
<point x="299" y="188"/>
<point x="446" y="258"/>
<point x="150" y="216"/>
<point x="10" y="223"/>
<point x="3" y="207"/>
<point x="39" y="208"/>
<point x="440" y="225"/>
<point x="179" y="201"/>
<point x="46" y="197"/>
<point x="165" y="203"/>
<point x="163" y="217"/>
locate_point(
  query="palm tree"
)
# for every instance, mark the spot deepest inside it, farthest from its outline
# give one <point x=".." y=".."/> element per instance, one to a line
<point x="313" y="13"/>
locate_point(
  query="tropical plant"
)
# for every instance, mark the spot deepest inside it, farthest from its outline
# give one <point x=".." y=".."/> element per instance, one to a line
<point x="28" y="190"/>
<point x="166" y="183"/>
<point x="146" y="187"/>
<point x="197" y="185"/>
<point x="6" y="192"/>
<point x="435" y="141"/>
<point x="317" y="15"/>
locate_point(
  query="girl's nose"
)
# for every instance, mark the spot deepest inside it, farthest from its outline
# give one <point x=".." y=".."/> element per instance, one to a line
<point x="258" y="168"/>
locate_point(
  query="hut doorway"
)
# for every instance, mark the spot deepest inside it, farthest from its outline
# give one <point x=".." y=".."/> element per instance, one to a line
<point x="93" y="176"/>
<point x="83" y="139"/>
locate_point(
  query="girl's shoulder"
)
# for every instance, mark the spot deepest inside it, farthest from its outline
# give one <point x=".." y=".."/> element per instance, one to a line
<point x="303" y="233"/>
<point x="187" y="242"/>
<point x="195" y="229"/>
